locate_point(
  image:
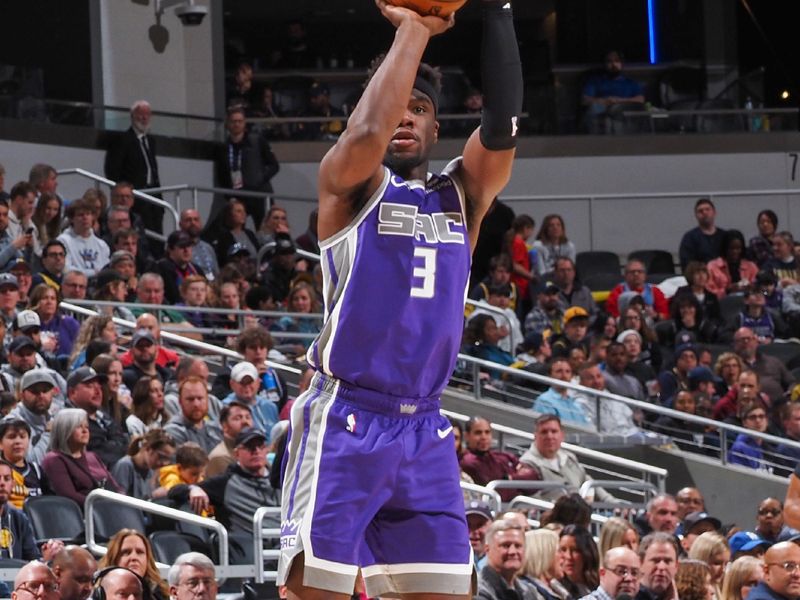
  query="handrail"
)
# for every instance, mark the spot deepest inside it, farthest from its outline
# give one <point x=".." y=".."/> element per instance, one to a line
<point x="205" y="309"/>
<point x="156" y="509"/>
<point x="474" y="488"/>
<point x="521" y="484"/>
<point x="259" y="554"/>
<point x="547" y="505"/>
<point x="657" y="473"/>
<point x="137" y="194"/>
<point x="588" y="485"/>
<point x="486" y="307"/>
<point x="649" y="195"/>
<point x="182" y="340"/>
<point x="127" y="109"/>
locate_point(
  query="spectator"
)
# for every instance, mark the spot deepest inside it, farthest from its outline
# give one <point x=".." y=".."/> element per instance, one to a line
<point x="775" y="378"/>
<point x="636" y="284"/>
<point x="85" y="251"/>
<point x="638" y="363"/>
<point x="96" y="327"/>
<point x="302" y="299"/>
<point x="742" y="575"/>
<point x="712" y="548"/>
<point x="790" y="424"/>
<point x="552" y="243"/>
<point x="746" y="390"/>
<point x="689" y="320"/>
<point x="122" y="196"/>
<point x="524" y="272"/>
<point x="579" y="560"/>
<point x="556" y="400"/>
<point x="54" y="254"/>
<point x="749" y="450"/>
<point x="20" y="210"/>
<point x="47" y="217"/>
<point x="74" y="285"/>
<point x="282" y="267"/>
<point x="481" y="340"/>
<point x="484" y="464"/>
<point x="62" y="329"/>
<point x="194" y="292"/>
<point x="617" y="532"/>
<point x="22" y="358"/>
<point x="144" y="349"/>
<point x="319" y="105"/>
<point x="234" y="417"/>
<point x="727" y="369"/>
<point x="685" y="434"/>
<point x="108" y="439"/>
<point x="191" y="424"/>
<point x="132" y="157"/>
<point x="119" y="583"/>
<point x="244" y="383"/>
<point x="164" y="356"/>
<point x="534" y="352"/>
<point x="693" y="581"/>
<point x="505" y="550"/>
<point x="241" y="93"/>
<point x="617" y="379"/>
<point x="10" y="247"/>
<point x="553" y="463"/>
<point x="276" y="221"/>
<point x="189" y="468"/>
<point x="619" y="575"/>
<point x="615" y="418"/>
<point x="569" y="509"/>
<point x="116" y="397"/>
<point x="547" y="314"/>
<point x="235" y="232"/>
<point x="245" y="162"/>
<point x="759" y="249"/>
<point x="491" y="238"/>
<point x="661" y="516"/>
<point x="499" y="296"/>
<point x="731" y="272"/>
<point x="572" y="292"/>
<point x="659" y="556"/>
<point x="704" y="242"/>
<point x="309" y="240"/>
<point x="783" y="264"/>
<point x="28" y="478"/>
<point x="237" y="493"/>
<point x="499" y="274"/>
<point x="634" y="317"/>
<point x="36" y="579"/>
<point x="72" y="470"/>
<point x="697" y="278"/>
<point x="576" y="325"/>
<point x="479" y="519"/>
<point x="131" y="550"/>
<point x="112" y="286"/>
<point x="118" y="219"/>
<point x="129" y="241"/>
<point x="137" y="470"/>
<point x="781" y="574"/>
<point x="770" y="525"/>
<point x="36" y="390"/>
<point x="542" y="566"/>
<point x="604" y="93"/>
<point x="74" y="568"/>
<point x="190" y="366"/>
<point x="177" y="265"/>
<point x="747" y="543"/>
<point x="677" y="379"/>
<point x="758" y="319"/>
<point x="147" y="412"/>
<point x="767" y="284"/>
<point x="190" y="573"/>
<point x="689" y="500"/>
<point x="203" y="253"/>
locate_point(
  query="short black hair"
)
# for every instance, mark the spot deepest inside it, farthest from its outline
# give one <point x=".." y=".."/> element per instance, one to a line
<point x="427" y="72"/>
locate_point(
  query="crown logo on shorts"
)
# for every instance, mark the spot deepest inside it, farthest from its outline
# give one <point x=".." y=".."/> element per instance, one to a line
<point x="408" y="409"/>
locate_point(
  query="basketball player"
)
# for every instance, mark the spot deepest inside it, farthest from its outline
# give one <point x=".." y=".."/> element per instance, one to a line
<point x="370" y="477"/>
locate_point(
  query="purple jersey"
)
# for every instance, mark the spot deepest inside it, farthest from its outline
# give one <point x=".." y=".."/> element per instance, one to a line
<point x="394" y="283"/>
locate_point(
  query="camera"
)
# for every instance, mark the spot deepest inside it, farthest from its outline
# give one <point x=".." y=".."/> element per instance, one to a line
<point x="191" y="14"/>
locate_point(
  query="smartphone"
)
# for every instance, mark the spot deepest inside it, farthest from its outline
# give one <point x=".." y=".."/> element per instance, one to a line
<point x="29" y="231"/>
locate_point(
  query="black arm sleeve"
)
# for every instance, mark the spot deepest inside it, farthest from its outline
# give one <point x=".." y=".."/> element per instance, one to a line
<point x="501" y="72"/>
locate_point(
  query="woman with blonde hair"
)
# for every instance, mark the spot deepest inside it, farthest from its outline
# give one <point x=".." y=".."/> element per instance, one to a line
<point x="743" y="574"/>
<point x="542" y="567"/>
<point x="618" y="532"/>
<point x="96" y="327"/>
<point x="130" y="549"/>
<point x="712" y="549"/>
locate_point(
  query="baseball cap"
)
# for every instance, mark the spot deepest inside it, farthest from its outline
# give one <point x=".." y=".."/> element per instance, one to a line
<point x="242" y="370"/>
<point x="8" y="279"/>
<point x="318" y="89"/>
<point x="238" y="248"/>
<point x="35" y="376"/>
<point x="179" y="238"/>
<point x="107" y="276"/>
<point x="744" y="541"/>
<point x="680" y="349"/>
<point x="550" y="288"/>
<point x="695" y="518"/>
<point x="701" y="374"/>
<point x="20" y="343"/>
<point x="533" y="341"/>
<point x="478" y="507"/>
<point x="120" y="256"/>
<point x="83" y="375"/>
<point x="142" y="334"/>
<point x="27" y="319"/>
<point x="247" y="435"/>
<point x="284" y="244"/>
<point x="575" y="312"/>
<point x="19" y="264"/>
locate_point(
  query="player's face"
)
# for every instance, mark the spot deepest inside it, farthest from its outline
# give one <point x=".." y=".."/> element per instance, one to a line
<point x="414" y="135"/>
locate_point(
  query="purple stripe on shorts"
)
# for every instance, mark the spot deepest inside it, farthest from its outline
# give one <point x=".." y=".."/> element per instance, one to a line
<point x="303" y="441"/>
<point x="332" y="267"/>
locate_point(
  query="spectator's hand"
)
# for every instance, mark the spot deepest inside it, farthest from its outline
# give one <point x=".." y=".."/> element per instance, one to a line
<point x="49" y="342"/>
<point x="250" y="321"/>
<point x="50" y="548"/>
<point x="198" y="499"/>
<point x="25" y="239"/>
<point x="125" y="399"/>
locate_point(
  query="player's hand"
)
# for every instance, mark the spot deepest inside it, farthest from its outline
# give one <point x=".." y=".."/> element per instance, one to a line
<point x="398" y="14"/>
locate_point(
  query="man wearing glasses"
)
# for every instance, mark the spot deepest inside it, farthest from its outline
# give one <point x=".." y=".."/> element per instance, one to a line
<point x="35" y="580"/>
<point x="54" y="260"/>
<point x="781" y="574"/>
<point x="619" y="575"/>
<point x="770" y="525"/>
<point x="192" y="577"/>
<point x="635" y="284"/>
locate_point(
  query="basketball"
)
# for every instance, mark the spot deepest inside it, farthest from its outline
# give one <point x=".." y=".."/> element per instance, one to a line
<point x="439" y="8"/>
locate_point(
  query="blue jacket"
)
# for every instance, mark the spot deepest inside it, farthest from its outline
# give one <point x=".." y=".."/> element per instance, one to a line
<point x="745" y="451"/>
<point x="763" y="592"/>
<point x="264" y="411"/>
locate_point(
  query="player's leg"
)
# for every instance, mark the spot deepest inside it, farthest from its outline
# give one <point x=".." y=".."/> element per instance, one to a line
<point x="297" y="591"/>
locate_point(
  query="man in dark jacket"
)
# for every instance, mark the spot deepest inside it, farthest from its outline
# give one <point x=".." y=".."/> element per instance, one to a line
<point x="178" y="264"/>
<point x="781" y="574"/>
<point x="238" y="492"/>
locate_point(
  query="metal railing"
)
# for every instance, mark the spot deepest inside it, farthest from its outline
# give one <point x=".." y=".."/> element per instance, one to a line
<point x="137" y="194"/>
<point x="595" y="523"/>
<point x="195" y="190"/>
<point x="259" y="534"/>
<point x="491" y="497"/>
<point x="729" y="430"/>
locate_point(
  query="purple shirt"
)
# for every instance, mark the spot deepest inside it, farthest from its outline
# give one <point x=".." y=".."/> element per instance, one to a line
<point x="394" y="283"/>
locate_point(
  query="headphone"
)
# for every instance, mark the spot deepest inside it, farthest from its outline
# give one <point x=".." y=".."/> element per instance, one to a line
<point x="98" y="593"/>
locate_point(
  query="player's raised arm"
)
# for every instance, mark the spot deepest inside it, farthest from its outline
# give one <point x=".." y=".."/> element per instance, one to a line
<point x="489" y="153"/>
<point x="353" y="165"/>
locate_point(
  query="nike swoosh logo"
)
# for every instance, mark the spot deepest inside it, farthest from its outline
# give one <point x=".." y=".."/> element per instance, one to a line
<point x="443" y="433"/>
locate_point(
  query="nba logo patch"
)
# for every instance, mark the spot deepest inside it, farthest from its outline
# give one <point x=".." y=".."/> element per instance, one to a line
<point x="351" y="423"/>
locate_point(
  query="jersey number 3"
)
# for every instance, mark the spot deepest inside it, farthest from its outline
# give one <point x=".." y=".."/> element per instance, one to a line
<point x="427" y="273"/>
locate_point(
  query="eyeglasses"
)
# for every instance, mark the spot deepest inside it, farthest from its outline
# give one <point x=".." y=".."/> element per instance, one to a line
<point x="56" y="255"/>
<point x="634" y="271"/>
<point x="36" y="588"/>
<point x="194" y="583"/>
<point x="755" y="417"/>
<point x="625" y="572"/>
<point x="748" y="338"/>
<point x="772" y="512"/>
<point x="789" y="567"/>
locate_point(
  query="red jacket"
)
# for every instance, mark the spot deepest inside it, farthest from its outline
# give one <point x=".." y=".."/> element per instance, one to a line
<point x="494" y="465"/>
<point x="164" y="358"/>
<point x="659" y="301"/>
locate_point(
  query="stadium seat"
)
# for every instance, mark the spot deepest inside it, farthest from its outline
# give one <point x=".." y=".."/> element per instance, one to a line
<point x="240" y="548"/>
<point x="730" y="307"/>
<point x="785" y="352"/>
<point x="655" y="261"/>
<point x="168" y="545"/>
<point x="110" y="517"/>
<point x="595" y="262"/>
<point x="55" y="517"/>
